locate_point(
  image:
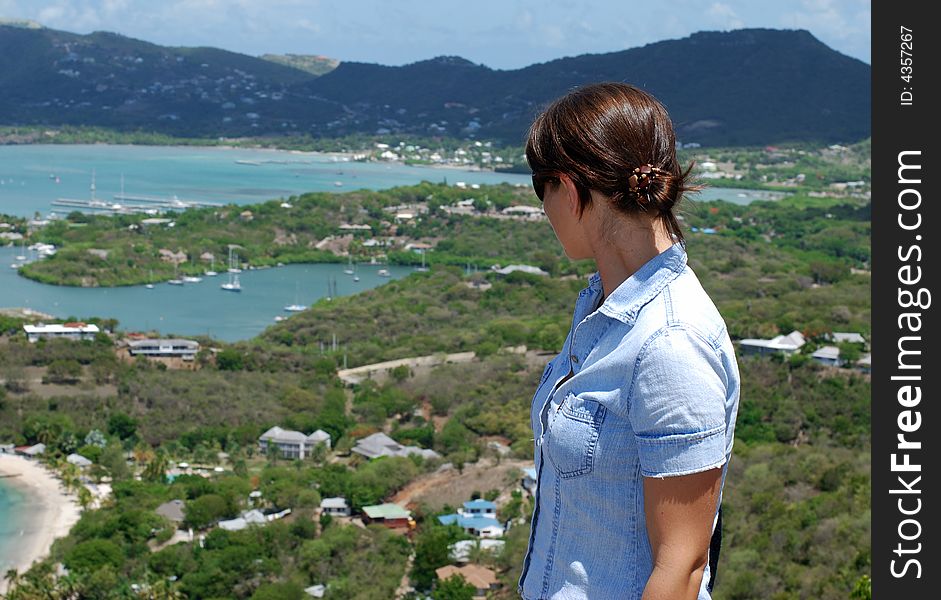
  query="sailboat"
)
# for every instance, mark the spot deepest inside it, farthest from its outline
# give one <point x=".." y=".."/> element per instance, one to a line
<point x="212" y="270"/>
<point x="233" y="285"/>
<point x="349" y="269"/>
<point x="422" y="267"/>
<point x="295" y="307"/>
<point x="355" y="276"/>
<point x="176" y="280"/>
<point x="234" y="262"/>
<point x="150" y="284"/>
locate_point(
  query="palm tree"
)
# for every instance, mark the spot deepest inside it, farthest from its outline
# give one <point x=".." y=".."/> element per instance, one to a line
<point x="12" y="577"/>
<point x="47" y="433"/>
<point x="143" y="453"/>
<point x="85" y="499"/>
<point x="68" y="587"/>
<point x="156" y="469"/>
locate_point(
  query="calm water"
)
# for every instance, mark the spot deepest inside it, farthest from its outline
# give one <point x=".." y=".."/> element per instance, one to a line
<point x="13" y="508"/>
<point x="28" y="184"/>
<point x="194" y="308"/>
<point x="207" y="174"/>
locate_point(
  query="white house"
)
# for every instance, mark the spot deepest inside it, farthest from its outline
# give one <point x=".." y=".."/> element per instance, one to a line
<point x="174" y="347"/>
<point x="461" y="550"/>
<point x="476" y="517"/>
<point x="336" y="507"/>
<point x="525" y="268"/>
<point x="828" y="355"/>
<point x="864" y="363"/>
<point x="293" y="444"/>
<point x="68" y="331"/>
<point x="379" y="444"/>
<point x="78" y="460"/>
<point x="529" y="480"/>
<point x="788" y="344"/>
<point x="851" y="337"/>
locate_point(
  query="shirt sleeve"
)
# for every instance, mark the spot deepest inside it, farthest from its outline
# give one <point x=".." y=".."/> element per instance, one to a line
<point x="678" y="404"/>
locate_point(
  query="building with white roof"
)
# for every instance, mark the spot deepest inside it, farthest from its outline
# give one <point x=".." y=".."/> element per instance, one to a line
<point x="828" y="355"/>
<point x="68" y="331"/>
<point x="788" y="344"/>
<point x="524" y="268"/>
<point x="336" y="507"/>
<point x="174" y="347"/>
<point x="293" y="444"/>
<point x="379" y="444"/>
<point x="78" y="460"/>
<point x="851" y="337"/>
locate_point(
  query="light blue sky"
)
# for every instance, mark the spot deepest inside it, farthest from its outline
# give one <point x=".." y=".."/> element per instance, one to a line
<point x="504" y="34"/>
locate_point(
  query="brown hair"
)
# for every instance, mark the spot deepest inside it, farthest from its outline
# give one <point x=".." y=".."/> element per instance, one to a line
<point x="598" y="135"/>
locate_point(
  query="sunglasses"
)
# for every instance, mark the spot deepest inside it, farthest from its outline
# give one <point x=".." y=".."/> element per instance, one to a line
<point x="539" y="183"/>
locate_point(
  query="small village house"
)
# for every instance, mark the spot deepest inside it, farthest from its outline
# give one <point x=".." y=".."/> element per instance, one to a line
<point x="67" y="331"/>
<point x="335" y="507"/>
<point x="392" y="516"/>
<point x="787" y="344"/>
<point x="828" y="355"/>
<point x="379" y="444"/>
<point x="172" y="510"/>
<point x="170" y="348"/>
<point x="482" y="578"/>
<point x="477" y="518"/>
<point x="528" y="482"/>
<point x="292" y="444"/>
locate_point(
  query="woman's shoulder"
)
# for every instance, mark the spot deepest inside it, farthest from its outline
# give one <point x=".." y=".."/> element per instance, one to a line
<point x="683" y="303"/>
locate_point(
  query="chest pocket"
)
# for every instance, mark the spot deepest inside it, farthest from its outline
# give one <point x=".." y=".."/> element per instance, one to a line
<point x="572" y="436"/>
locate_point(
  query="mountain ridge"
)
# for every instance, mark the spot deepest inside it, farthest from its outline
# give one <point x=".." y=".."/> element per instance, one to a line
<point x="742" y="87"/>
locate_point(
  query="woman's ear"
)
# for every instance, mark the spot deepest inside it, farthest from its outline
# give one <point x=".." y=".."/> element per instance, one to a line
<point x="571" y="194"/>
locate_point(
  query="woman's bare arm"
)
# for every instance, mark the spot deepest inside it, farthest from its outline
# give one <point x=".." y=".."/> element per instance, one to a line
<point x="680" y="511"/>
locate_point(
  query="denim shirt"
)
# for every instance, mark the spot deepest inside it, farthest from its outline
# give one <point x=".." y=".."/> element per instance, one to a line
<point x="654" y="393"/>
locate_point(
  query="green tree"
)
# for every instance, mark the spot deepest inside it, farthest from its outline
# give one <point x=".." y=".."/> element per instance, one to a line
<point x="432" y="551"/>
<point x="230" y="359"/>
<point x="122" y="425"/>
<point x="63" y="371"/>
<point x="454" y="587"/>
<point x="279" y="591"/>
<point x="113" y="459"/>
<point x="94" y="554"/>
<point x="205" y="510"/>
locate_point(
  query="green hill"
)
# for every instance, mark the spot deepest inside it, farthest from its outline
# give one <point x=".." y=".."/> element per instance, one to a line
<point x="744" y="87"/>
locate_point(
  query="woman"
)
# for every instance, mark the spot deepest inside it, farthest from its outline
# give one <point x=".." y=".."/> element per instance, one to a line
<point x="634" y="419"/>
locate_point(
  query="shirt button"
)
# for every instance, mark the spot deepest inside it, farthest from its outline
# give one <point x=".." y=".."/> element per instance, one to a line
<point x="574" y="358"/>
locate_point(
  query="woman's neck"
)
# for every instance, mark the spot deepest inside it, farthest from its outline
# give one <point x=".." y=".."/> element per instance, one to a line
<point x="617" y="262"/>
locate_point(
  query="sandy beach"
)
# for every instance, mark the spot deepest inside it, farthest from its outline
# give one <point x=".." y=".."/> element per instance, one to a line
<point x="52" y="512"/>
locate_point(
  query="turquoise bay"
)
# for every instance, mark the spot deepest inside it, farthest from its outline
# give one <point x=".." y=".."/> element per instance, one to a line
<point x="32" y="177"/>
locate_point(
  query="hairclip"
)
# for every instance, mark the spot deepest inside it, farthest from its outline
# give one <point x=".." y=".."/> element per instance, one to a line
<point x="640" y="180"/>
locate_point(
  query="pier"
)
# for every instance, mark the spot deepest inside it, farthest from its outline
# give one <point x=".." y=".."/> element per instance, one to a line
<point x="127" y="204"/>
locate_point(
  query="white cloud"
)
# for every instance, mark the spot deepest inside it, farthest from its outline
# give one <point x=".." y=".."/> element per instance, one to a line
<point x="500" y="33"/>
<point x="9" y="9"/>
<point x="724" y="16"/>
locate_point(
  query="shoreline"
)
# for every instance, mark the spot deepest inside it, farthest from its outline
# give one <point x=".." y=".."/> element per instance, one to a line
<point x="51" y="512"/>
<point x="349" y="155"/>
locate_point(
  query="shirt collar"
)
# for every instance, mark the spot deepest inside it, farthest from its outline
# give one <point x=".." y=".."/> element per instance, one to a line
<point x="637" y="290"/>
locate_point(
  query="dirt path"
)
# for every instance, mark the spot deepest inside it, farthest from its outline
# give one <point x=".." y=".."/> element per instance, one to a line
<point x="380" y="371"/>
<point x="448" y="486"/>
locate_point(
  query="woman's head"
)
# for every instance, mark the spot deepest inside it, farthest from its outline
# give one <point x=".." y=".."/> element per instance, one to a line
<point x="600" y="136"/>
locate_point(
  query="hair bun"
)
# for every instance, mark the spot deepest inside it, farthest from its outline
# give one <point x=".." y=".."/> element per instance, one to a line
<point x="638" y="183"/>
